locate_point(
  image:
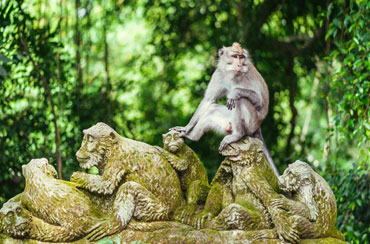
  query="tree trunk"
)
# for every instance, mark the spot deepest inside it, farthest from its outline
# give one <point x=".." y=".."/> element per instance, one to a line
<point x="292" y="93"/>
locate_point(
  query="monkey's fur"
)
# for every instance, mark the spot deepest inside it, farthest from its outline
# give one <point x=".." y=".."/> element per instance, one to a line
<point x="313" y="207"/>
<point x="191" y="171"/>
<point x="247" y="101"/>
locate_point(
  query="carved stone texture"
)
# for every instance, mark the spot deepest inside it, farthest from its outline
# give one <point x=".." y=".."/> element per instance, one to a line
<point x="191" y="171"/>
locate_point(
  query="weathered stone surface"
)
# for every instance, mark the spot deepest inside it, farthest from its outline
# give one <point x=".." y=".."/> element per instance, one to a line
<point x="136" y="190"/>
<point x="187" y="235"/>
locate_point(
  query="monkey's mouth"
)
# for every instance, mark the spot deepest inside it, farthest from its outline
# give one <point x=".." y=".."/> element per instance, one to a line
<point x="81" y="159"/>
<point x="173" y="148"/>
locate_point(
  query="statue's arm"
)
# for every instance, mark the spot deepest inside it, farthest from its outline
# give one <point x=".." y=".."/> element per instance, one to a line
<point x="178" y="163"/>
<point x="259" y="185"/>
<point x="293" y="207"/>
<point x="43" y="231"/>
<point x="102" y="184"/>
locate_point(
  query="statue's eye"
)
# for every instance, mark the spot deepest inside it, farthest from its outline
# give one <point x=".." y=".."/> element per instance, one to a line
<point x="19" y="210"/>
<point x="10" y="214"/>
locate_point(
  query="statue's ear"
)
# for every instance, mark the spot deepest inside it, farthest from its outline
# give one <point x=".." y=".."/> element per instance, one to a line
<point x="113" y="136"/>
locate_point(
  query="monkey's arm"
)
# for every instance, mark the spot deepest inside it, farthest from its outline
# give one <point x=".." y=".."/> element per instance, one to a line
<point x="102" y="184"/>
<point x="238" y="93"/>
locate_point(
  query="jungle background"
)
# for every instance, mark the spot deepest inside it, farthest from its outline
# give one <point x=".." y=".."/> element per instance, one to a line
<point x="143" y="66"/>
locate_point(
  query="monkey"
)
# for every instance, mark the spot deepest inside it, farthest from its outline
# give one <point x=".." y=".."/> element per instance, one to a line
<point x="247" y="102"/>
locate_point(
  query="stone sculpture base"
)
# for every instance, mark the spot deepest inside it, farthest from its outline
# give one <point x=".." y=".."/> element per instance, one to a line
<point x="173" y="232"/>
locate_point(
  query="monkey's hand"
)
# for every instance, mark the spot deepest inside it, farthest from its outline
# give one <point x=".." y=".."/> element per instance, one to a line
<point x="230" y="104"/>
<point x="78" y="178"/>
<point x="282" y="203"/>
<point x="184" y="130"/>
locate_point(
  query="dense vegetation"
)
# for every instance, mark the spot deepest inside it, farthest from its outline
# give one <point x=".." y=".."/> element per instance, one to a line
<point x="142" y="67"/>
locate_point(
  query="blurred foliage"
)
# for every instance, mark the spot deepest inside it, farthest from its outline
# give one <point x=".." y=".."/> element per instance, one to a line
<point x="142" y="67"/>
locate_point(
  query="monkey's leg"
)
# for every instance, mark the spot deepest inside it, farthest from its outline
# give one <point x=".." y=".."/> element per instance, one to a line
<point x="135" y="200"/>
<point x="244" y="122"/>
<point x="196" y="192"/>
<point x="216" y="118"/>
<point x="212" y="207"/>
<point x="235" y="216"/>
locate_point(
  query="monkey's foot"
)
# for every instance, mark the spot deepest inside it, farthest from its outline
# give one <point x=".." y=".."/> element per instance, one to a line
<point x="104" y="228"/>
<point x="185" y="214"/>
<point x="223" y="145"/>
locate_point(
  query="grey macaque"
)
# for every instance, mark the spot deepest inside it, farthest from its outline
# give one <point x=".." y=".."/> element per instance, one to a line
<point x="247" y="102"/>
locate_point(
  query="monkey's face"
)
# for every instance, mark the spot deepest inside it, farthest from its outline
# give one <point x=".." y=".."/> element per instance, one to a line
<point x="296" y="175"/>
<point x="172" y="141"/>
<point x="14" y="220"/>
<point x="38" y="166"/>
<point x="233" y="59"/>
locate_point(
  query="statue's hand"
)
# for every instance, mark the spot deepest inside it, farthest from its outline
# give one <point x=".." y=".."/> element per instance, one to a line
<point x="286" y="230"/>
<point x="78" y="178"/>
<point x="202" y="219"/>
<point x="185" y="214"/>
<point x="282" y="203"/>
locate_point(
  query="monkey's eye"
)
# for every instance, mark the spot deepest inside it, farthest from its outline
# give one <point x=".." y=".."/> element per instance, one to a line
<point x="19" y="210"/>
<point x="234" y="56"/>
<point x="10" y="214"/>
<point x="90" y="138"/>
<point x="241" y="56"/>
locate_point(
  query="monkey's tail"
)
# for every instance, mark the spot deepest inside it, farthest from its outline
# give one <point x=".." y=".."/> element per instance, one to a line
<point x="258" y="134"/>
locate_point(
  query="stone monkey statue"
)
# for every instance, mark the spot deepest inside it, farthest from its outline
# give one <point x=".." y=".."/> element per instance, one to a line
<point x="191" y="171"/>
<point x="313" y="208"/>
<point x="247" y="102"/>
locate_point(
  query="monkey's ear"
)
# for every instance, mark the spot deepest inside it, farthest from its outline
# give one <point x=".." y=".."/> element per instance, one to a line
<point x="220" y="52"/>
